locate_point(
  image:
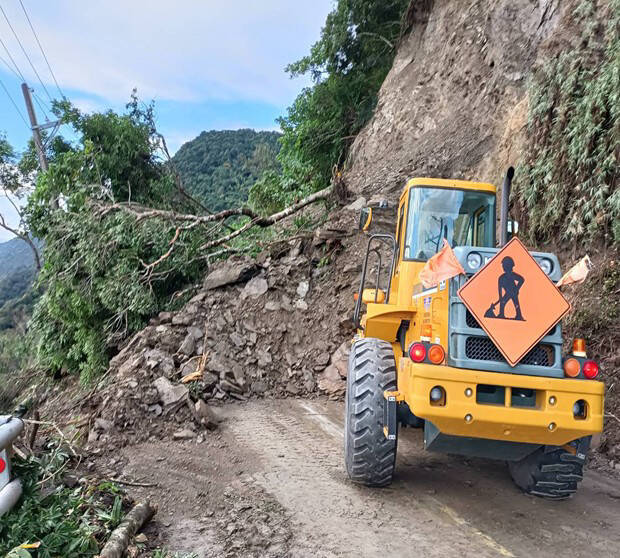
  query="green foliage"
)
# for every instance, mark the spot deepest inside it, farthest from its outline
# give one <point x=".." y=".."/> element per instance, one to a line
<point x="220" y="166"/>
<point x="568" y="183"/>
<point x="99" y="287"/>
<point x="67" y="522"/>
<point x="348" y="65"/>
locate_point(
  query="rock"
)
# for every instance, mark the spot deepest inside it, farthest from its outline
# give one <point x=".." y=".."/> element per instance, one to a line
<point x="331" y="381"/>
<point x="301" y="305"/>
<point x="196" y="332"/>
<point x="264" y="359"/>
<point x="103" y="424"/>
<point x="272" y="306"/>
<point x="259" y="387"/>
<point x="170" y="394"/>
<point x="218" y="364"/>
<point x="188" y="345"/>
<point x="357" y="205"/>
<point x="340" y="358"/>
<point x="286" y="304"/>
<point x="256" y="287"/>
<point x="238" y="374"/>
<point x="323" y="359"/>
<point x="129" y="367"/>
<point x="292" y="388"/>
<point x="93" y="436"/>
<point x="237" y="339"/>
<point x="164" y="317"/>
<point x="185" y="434"/>
<point x="230" y="272"/>
<point x="209" y="380"/>
<point x="227" y="386"/>
<point x="182" y="318"/>
<point x="188" y="367"/>
<point x="302" y="289"/>
<point x="207" y="416"/>
<point x="156" y="409"/>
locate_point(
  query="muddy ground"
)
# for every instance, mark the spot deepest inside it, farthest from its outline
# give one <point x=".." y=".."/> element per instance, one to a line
<point x="271" y="483"/>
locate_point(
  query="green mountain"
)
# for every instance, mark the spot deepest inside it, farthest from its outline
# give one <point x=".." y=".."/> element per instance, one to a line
<point x="17" y="273"/>
<point x="219" y="167"/>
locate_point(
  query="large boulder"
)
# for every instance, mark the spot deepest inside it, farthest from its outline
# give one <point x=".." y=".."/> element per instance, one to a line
<point x="231" y="272"/>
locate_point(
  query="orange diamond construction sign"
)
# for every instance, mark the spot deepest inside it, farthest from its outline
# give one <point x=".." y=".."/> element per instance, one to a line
<point x="514" y="301"/>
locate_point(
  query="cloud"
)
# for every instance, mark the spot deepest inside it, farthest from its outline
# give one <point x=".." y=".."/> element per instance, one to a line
<point x="188" y="50"/>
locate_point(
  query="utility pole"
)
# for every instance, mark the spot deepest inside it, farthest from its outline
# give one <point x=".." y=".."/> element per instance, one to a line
<point x="36" y="130"/>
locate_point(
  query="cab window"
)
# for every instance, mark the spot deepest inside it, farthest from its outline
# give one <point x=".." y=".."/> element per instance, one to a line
<point x="462" y="217"/>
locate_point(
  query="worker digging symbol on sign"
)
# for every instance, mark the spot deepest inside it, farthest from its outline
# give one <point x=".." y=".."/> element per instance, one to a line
<point x="508" y="285"/>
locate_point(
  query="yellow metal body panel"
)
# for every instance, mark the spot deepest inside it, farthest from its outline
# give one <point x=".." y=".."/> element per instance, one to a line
<point x="501" y="422"/>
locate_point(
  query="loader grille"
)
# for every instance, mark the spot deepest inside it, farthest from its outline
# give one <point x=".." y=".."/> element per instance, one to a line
<point x="482" y="348"/>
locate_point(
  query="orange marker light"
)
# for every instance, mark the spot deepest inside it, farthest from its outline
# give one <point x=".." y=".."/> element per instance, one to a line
<point x="436" y="354"/>
<point x="579" y="347"/>
<point x="572" y="367"/>
<point x="427" y="330"/>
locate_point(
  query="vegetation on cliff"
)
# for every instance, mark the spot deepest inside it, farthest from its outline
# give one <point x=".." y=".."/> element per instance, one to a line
<point x="568" y="186"/>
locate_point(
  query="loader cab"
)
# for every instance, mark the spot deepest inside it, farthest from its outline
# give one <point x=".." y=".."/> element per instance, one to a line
<point x="463" y="213"/>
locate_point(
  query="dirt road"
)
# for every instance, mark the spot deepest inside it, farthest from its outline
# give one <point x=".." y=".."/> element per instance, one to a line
<point x="272" y="483"/>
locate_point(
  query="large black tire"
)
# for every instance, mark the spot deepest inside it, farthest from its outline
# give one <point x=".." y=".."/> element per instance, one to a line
<point x="369" y="456"/>
<point x="551" y="472"/>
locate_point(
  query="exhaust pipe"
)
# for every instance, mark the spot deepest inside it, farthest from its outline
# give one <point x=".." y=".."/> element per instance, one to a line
<point x="503" y="221"/>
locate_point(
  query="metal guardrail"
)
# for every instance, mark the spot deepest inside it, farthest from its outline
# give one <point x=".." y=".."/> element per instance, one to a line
<point x="10" y="490"/>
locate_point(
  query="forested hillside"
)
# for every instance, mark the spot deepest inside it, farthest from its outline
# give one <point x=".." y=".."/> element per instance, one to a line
<point x="220" y="166"/>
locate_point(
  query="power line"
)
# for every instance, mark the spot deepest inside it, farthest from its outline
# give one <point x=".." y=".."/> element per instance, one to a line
<point x="26" y="54"/>
<point x="40" y="102"/>
<point x="42" y="51"/>
<point x="9" y="67"/>
<point x="12" y="60"/>
<point x="13" y="102"/>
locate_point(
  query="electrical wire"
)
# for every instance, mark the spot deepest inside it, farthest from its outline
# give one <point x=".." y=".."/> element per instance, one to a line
<point x="40" y="102"/>
<point x="14" y="104"/>
<point x="9" y="67"/>
<point x="26" y="54"/>
<point x="42" y="51"/>
<point x="12" y="60"/>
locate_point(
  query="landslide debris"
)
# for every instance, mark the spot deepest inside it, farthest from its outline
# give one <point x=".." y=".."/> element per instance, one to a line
<point x="277" y="326"/>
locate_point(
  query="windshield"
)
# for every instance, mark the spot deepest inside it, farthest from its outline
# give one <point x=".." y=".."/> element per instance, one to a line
<point x="463" y="217"/>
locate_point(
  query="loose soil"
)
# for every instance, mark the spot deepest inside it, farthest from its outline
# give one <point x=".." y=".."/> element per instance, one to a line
<point x="272" y="483"/>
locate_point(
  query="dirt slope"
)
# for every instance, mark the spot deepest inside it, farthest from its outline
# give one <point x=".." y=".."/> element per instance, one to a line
<point x="448" y="106"/>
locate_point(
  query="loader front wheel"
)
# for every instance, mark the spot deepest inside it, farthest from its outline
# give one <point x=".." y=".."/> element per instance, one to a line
<point x="552" y="472"/>
<point x="369" y="456"/>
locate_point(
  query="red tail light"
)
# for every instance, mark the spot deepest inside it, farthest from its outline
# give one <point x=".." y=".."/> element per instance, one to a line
<point x="417" y="352"/>
<point x="2" y="465"/>
<point x="590" y="369"/>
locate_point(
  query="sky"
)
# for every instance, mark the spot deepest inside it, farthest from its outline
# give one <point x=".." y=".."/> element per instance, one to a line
<point x="207" y="64"/>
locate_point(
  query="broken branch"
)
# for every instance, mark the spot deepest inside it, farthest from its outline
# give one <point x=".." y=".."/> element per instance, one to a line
<point x="122" y="535"/>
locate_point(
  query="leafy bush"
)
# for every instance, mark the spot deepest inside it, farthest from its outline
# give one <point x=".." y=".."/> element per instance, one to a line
<point x="568" y="184"/>
<point x="68" y="522"/>
<point x="99" y="283"/>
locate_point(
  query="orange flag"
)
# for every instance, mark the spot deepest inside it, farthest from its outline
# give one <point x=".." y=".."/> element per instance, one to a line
<point x="443" y="265"/>
<point x="577" y="273"/>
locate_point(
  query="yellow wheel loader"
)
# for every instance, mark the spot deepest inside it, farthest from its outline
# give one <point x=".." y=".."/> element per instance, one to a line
<point x="476" y="360"/>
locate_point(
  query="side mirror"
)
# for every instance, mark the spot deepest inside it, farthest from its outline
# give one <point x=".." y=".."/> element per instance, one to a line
<point x="512" y="228"/>
<point x="365" y="218"/>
